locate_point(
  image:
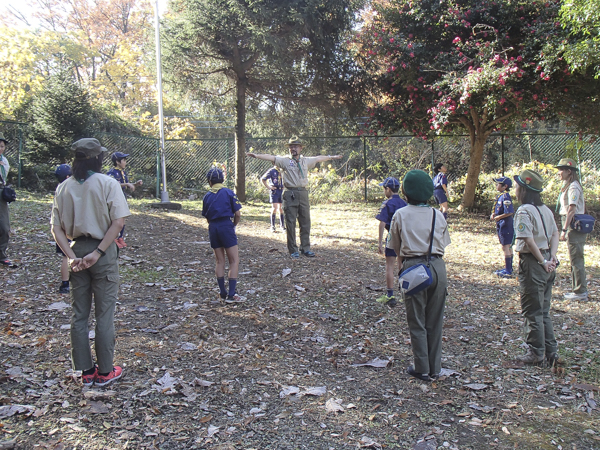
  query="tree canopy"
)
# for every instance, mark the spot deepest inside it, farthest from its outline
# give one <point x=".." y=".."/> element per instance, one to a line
<point x="583" y="17"/>
<point x="272" y="50"/>
<point x="449" y="66"/>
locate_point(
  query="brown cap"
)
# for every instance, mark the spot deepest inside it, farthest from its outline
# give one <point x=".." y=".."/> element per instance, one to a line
<point x="89" y="147"/>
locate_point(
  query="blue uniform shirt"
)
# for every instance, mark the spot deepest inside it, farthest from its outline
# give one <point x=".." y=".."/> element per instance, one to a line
<point x="440" y="179"/>
<point x="119" y="175"/>
<point x="504" y="205"/>
<point x="220" y="203"/>
<point x="273" y="177"/>
<point x="388" y="208"/>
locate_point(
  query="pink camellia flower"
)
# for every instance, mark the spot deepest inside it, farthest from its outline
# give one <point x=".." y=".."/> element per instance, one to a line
<point x="412" y="55"/>
<point x="456" y="40"/>
<point x="502" y="101"/>
<point x="542" y="75"/>
<point x="479" y="70"/>
<point x="391" y="40"/>
<point x="535" y="97"/>
<point x="502" y="82"/>
<point x="519" y="58"/>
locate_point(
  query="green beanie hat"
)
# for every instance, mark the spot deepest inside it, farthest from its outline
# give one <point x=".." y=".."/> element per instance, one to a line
<point x="417" y="185"/>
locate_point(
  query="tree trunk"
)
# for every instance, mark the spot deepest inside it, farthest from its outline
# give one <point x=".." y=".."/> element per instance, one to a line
<point x="240" y="139"/>
<point x="473" y="172"/>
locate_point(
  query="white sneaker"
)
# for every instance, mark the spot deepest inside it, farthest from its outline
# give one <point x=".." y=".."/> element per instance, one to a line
<point x="575" y="296"/>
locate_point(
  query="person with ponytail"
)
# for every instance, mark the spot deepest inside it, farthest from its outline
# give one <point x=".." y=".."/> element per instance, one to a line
<point x="571" y="202"/>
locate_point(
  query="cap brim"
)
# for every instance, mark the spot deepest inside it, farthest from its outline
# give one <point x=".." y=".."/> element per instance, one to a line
<point x="520" y="182"/>
<point x="567" y="167"/>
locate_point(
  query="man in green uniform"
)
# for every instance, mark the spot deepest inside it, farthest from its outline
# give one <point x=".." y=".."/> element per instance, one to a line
<point x="295" y="169"/>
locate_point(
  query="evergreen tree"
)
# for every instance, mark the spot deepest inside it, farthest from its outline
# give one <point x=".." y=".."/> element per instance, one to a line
<point x="60" y="115"/>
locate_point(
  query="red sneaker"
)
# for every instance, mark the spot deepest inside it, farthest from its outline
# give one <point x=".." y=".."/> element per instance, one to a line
<point x="115" y="374"/>
<point x="89" y="380"/>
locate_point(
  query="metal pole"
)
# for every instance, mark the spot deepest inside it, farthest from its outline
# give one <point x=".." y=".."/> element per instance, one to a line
<point x="365" y="162"/>
<point x="157" y="168"/>
<point x="20" y="161"/>
<point x="164" y="195"/>
<point x="432" y="155"/>
<point x="503" y="155"/>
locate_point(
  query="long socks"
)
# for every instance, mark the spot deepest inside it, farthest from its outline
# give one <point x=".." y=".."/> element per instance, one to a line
<point x="282" y="221"/>
<point x="390" y="292"/>
<point x="508" y="261"/>
<point x="232" y="286"/>
<point x="221" y="281"/>
<point x="273" y="220"/>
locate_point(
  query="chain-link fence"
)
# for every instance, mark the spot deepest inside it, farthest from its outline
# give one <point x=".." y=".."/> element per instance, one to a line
<point x="364" y="158"/>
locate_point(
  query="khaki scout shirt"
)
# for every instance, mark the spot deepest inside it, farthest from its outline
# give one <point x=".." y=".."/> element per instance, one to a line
<point x="294" y="176"/>
<point x="410" y="230"/>
<point x="572" y="196"/>
<point x="88" y="208"/>
<point x="528" y="223"/>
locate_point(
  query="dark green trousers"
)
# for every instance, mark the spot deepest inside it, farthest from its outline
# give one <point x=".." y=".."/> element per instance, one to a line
<point x="576" y="244"/>
<point x="536" y="294"/>
<point x="297" y="207"/>
<point x="425" y="317"/>
<point x="4" y="229"/>
<point x="100" y="284"/>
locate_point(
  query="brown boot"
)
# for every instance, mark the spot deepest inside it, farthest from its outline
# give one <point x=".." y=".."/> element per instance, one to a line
<point x="531" y="358"/>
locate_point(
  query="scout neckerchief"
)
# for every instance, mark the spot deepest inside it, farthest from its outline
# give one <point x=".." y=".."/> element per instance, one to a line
<point x="299" y="166"/>
<point x="216" y="187"/>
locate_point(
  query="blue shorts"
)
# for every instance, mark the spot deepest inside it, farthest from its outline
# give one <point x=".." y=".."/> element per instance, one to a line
<point x="505" y="235"/>
<point x="222" y="234"/>
<point x="440" y="196"/>
<point x="390" y="252"/>
<point x="275" y="196"/>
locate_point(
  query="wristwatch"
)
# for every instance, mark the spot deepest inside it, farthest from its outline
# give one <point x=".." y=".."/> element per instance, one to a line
<point x="542" y="263"/>
<point x="564" y="230"/>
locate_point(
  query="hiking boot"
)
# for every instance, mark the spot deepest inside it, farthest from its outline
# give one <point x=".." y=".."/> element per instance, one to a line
<point x="8" y="263"/>
<point x="235" y="299"/>
<point x="575" y="296"/>
<point x="295" y="255"/>
<point x="64" y="289"/>
<point x="103" y="380"/>
<point x="88" y="380"/>
<point x="389" y="301"/>
<point x="531" y="358"/>
<point x="309" y="254"/>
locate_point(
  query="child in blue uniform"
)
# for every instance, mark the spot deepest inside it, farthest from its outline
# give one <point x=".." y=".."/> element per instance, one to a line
<point x="440" y="188"/>
<point x="220" y="205"/>
<point x="273" y="182"/>
<point x="63" y="172"/>
<point x="393" y="203"/>
<point x="503" y="215"/>
<point x="118" y="173"/>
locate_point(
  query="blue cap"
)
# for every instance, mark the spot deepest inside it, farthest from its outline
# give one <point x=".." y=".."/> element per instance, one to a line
<point x="504" y="180"/>
<point x="118" y="155"/>
<point x="390" y="182"/>
<point x="63" y="171"/>
<point x="215" y="175"/>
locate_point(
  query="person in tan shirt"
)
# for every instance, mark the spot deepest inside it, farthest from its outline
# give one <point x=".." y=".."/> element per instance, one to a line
<point x="571" y="202"/>
<point x="409" y="237"/>
<point x="295" y="169"/>
<point x="536" y="236"/>
<point x="89" y="209"/>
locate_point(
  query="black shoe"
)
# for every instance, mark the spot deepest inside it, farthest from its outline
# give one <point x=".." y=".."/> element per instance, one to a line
<point x="8" y="263"/>
<point x="64" y="289"/>
<point x="421" y="376"/>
